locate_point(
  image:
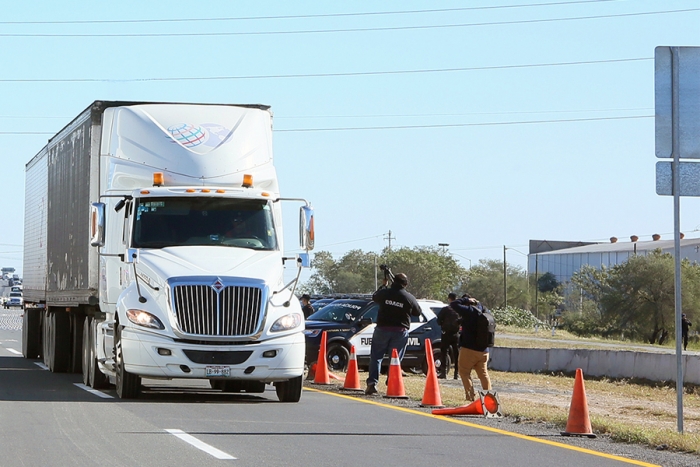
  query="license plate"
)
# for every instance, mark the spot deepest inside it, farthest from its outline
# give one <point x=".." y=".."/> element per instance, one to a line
<point x="218" y="371"/>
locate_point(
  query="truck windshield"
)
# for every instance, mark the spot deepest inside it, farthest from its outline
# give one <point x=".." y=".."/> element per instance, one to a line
<point x="242" y="223"/>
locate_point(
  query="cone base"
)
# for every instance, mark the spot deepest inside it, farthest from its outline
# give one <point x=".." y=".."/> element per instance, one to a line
<point x="321" y="384"/>
<point x="395" y="397"/>
<point x="352" y="389"/>
<point x="588" y="435"/>
<point x="432" y="406"/>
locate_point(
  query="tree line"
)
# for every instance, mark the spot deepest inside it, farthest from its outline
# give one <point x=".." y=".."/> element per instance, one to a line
<point x="632" y="300"/>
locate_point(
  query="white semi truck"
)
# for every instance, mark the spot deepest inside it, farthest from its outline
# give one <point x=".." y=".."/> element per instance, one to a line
<point x="153" y="249"/>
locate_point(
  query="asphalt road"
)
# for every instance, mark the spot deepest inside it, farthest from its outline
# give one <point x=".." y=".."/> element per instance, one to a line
<point x="50" y="420"/>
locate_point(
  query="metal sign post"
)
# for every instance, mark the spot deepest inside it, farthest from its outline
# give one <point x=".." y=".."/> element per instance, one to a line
<point x="677" y="113"/>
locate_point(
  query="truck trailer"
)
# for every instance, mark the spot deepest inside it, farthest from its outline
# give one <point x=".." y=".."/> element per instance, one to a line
<point x="153" y="248"/>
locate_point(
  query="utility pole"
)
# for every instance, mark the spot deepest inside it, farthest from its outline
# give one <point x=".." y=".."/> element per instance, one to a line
<point x="505" y="279"/>
<point x="390" y="238"/>
<point x="444" y="247"/>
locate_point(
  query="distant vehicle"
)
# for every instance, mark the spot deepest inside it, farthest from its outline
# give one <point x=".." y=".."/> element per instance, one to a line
<point x="15" y="299"/>
<point x="318" y="304"/>
<point x="16" y="288"/>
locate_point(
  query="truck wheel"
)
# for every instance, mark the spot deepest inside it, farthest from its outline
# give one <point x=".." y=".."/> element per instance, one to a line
<point x="31" y="333"/>
<point x="57" y="341"/>
<point x="289" y="391"/>
<point x="437" y="358"/>
<point x="128" y="385"/>
<point x="338" y="357"/>
<point x="77" y="322"/>
<point x="92" y="376"/>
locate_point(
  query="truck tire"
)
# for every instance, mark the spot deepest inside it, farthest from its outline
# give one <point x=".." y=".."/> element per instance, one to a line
<point x="92" y="376"/>
<point x="289" y="391"/>
<point x="57" y="341"/>
<point x="128" y="385"/>
<point x="338" y="357"/>
<point x="31" y="333"/>
<point x="77" y="321"/>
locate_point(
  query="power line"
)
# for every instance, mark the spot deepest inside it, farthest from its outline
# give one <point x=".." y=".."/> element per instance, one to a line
<point x="404" y="127"/>
<point x="326" y="31"/>
<point x="323" y="15"/>
<point x="456" y="125"/>
<point x="323" y="75"/>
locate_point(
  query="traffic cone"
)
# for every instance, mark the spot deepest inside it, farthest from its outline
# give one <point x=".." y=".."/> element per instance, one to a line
<point x="322" y="376"/>
<point x="394" y="387"/>
<point x="352" y="378"/>
<point x="579" y="424"/>
<point x="431" y="393"/>
<point x="487" y="405"/>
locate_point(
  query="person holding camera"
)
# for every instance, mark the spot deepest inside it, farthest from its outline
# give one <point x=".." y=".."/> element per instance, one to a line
<point x="396" y="306"/>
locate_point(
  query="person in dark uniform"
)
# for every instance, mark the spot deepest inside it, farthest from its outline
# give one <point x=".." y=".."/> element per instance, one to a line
<point x="306" y="307"/>
<point x="471" y="356"/>
<point x="448" y="320"/>
<point x="396" y="306"/>
<point x="685" y="325"/>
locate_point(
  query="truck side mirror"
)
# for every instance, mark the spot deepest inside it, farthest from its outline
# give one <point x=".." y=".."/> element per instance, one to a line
<point x="97" y="224"/>
<point x="306" y="228"/>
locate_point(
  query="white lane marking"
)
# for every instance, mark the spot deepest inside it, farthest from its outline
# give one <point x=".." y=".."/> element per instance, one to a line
<point x="42" y="366"/>
<point x="199" y="444"/>
<point x="93" y="391"/>
<point x="16" y="352"/>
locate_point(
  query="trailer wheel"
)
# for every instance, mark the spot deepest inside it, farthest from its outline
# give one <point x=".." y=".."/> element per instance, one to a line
<point x="289" y="391"/>
<point x="77" y="323"/>
<point x="57" y="341"/>
<point x="92" y="376"/>
<point x="31" y="333"/>
<point x="128" y="385"/>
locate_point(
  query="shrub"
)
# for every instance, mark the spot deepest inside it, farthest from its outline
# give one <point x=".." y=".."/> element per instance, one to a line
<point x="511" y="316"/>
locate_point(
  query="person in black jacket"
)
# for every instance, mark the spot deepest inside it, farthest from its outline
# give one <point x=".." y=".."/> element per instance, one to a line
<point x="396" y="306"/>
<point x="306" y="307"/>
<point x="448" y="320"/>
<point x="471" y="357"/>
<point x="685" y="327"/>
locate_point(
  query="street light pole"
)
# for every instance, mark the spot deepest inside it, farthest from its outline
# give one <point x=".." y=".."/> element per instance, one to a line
<point x="505" y="279"/>
<point x="444" y="247"/>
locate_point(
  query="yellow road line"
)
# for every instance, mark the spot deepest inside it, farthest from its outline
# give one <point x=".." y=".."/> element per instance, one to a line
<point x="487" y="428"/>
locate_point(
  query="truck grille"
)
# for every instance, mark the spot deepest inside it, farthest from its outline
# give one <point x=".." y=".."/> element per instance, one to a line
<point x="230" y="311"/>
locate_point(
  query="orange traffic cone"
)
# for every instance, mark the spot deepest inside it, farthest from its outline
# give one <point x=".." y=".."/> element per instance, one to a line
<point x="352" y="379"/>
<point x="394" y="387"/>
<point x="579" y="424"/>
<point x="431" y="393"/>
<point x="322" y="376"/>
<point x="487" y="405"/>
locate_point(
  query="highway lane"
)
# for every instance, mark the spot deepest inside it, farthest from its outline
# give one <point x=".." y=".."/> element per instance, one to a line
<point x="47" y="419"/>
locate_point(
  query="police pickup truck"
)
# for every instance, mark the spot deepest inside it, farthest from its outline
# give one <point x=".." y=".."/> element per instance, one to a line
<point x="349" y="322"/>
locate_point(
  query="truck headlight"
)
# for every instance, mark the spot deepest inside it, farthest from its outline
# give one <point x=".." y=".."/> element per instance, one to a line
<point x="286" y="322"/>
<point x="145" y="319"/>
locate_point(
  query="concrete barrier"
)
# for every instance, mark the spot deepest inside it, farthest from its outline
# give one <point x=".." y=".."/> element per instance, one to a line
<point x="600" y="363"/>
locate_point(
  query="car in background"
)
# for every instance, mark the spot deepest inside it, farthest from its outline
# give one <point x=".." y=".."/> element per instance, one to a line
<point x="351" y="322"/>
<point x="15" y="299"/>
<point x="320" y="303"/>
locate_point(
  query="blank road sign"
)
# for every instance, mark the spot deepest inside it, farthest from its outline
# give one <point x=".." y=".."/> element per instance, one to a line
<point x="688" y="85"/>
<point x="689" y="178"/>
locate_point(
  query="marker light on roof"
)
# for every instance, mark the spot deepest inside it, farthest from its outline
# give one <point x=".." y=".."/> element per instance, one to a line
<point x="145" y="192"/>
<point x="247" y="181"/>
<point x="190" y="190"/>
<point x="158" y="179"/>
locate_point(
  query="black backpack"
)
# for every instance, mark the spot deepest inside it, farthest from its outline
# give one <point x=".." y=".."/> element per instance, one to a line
<point x="450" y="320"/>
<point x="485" y="329"/>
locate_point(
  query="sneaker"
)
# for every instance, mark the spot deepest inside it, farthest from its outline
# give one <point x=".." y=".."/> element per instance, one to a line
<point x="442" y="376"/>
<point x="371" y="389"/>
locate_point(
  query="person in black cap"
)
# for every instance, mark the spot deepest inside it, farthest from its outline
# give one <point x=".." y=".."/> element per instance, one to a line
<point x="685" y="325"/>
<point x="396" y="306"/>
<point x="306" y="307"/>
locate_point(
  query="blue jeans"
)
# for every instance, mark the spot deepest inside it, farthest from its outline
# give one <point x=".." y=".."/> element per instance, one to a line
<point x="383" y="341"/>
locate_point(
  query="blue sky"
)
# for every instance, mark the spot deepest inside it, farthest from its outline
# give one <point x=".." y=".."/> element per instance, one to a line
<point x="410" y="117"/>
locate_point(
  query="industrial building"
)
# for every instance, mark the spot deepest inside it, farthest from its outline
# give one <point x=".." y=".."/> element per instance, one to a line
<point x="563" y="259"/>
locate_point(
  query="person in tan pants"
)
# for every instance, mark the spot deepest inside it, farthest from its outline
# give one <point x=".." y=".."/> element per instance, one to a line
<point x="471" y="356"/>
